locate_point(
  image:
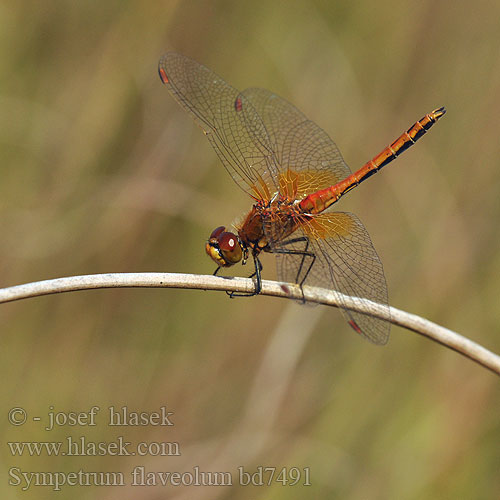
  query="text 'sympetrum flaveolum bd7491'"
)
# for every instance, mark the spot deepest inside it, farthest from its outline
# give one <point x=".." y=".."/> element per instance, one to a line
<point x="293" y="171"/>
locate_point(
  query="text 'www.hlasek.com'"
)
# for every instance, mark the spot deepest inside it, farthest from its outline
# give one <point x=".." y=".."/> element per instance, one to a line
<point x="119" y="420"/>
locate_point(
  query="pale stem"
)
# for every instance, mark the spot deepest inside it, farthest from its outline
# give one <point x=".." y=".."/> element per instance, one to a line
<point x="424" y="327"/>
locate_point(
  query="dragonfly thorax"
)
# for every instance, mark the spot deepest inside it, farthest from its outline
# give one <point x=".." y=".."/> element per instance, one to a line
<point x="280" y="212"/>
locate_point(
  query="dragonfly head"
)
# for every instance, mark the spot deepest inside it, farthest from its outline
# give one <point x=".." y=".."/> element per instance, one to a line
<point x="225" y="248"/>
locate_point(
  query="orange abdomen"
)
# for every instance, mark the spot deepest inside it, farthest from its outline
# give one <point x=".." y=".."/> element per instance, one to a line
<point x="321" y="200"/>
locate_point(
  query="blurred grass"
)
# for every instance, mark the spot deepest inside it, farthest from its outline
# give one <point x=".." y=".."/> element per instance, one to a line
<point x="102" y="172"/>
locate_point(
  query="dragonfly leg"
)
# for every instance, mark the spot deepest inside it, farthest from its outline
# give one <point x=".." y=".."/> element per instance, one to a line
<point x="304" y="253"/>
<point x="258" y="281"/>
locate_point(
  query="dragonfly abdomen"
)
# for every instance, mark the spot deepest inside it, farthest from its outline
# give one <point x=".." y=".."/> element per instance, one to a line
<point x="321" y="200"/>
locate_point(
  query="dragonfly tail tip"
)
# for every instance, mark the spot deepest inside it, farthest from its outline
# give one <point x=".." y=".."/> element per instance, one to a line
<point x="438" y="113"/>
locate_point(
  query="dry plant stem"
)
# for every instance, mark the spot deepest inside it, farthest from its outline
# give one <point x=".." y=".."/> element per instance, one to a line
<point x="412" y="322"/>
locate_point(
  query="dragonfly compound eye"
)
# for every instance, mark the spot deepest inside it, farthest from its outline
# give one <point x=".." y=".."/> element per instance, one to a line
<point x="230" y="248"/>
<point x="224" y="247"/>
<point x="217" y="232"/>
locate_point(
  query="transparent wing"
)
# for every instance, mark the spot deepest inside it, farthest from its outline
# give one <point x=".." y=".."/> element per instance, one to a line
<point x="345" y="261"/>
<point x="229" y="121"/>
<point x="301" y="147"/>
<point x="264" y="142"/>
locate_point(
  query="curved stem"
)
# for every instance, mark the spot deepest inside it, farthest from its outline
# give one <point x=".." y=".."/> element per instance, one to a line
<point x="439" y="334"/>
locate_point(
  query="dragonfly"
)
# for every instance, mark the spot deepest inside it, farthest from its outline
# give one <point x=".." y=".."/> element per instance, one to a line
<point x="294" y="173"/>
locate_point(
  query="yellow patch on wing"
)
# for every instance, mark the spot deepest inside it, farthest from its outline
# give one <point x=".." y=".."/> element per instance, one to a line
<point x="261" y="190"/>
<point x="296" y="185"/>
<point x="329" y="225"/>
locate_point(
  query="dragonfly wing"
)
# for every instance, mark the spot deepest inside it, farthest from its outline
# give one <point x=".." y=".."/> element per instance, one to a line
<point x="299" y="144"/>
<point x="346" y="262"/>
<point x="228" y="119"/>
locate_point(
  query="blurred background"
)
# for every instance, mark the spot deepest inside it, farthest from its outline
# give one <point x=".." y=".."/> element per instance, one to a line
<point x="102" y="171"/>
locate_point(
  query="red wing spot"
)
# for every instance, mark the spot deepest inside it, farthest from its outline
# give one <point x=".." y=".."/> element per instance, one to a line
<point x="163" y="75"/>
<point x="238" y="104"/>
<point x="285" y="289"/>
<point x="355" y="327"/>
